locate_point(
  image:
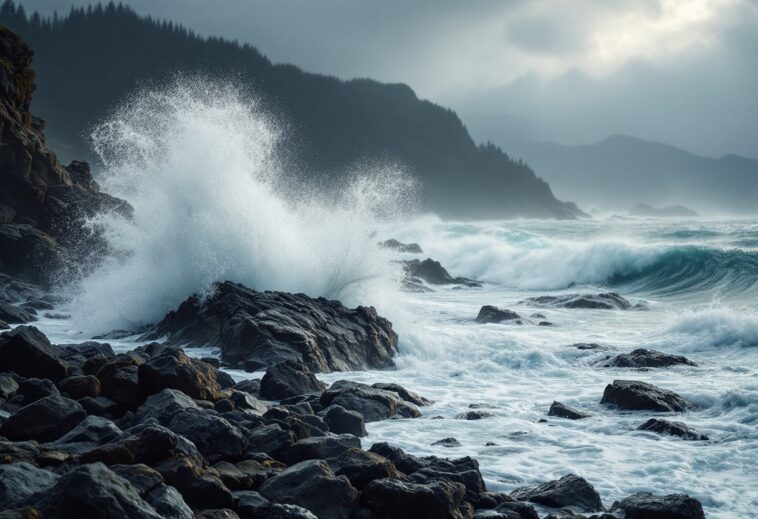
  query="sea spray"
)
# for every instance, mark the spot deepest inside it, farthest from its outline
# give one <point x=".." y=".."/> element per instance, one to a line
<point x="198" y="162"/>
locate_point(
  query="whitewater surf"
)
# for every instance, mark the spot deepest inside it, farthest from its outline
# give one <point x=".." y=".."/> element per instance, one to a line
<point x="212" y="202"/>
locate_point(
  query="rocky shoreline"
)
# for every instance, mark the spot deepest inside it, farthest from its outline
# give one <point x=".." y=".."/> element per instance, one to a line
<point x="87" y="432"/>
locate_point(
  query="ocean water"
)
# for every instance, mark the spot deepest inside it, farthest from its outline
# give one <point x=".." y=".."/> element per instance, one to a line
<point x="199" y="164"/>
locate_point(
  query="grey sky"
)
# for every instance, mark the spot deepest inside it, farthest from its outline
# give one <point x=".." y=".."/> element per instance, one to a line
<point x="572" y="71"/>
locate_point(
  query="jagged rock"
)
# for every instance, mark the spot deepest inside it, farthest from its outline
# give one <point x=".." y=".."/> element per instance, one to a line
<point x="12" y="314"/>
<point x="643" y="505"/>
<point x="80" y="386"/>
<point x="243" y="400"/>
<point x="270" y="439"/>
<point x="570" y="490"/>
<point x="213" y="435"/>
<point x="564" y="411"/>
<point x="462" y="470"/>
<point x="172" y="368"/>
<point x="289" y="378"/>
<point x="411" y="248"/>
<point x="200" y="488"/>
<point x="163" y="405"/>
<point x="606" y="301"/>
<point x="362" y="467"/>
<point x="259" y="329"/>
<point x="642" y="358"/>
<point x="33" y="389"/>
<point x="405" y="500"/>
<point x="20" y="480"/>
<point x="635" y="395"/>
<point x="493" y="314"/>
<point x="259" y="471"/>
<point x="372" y="403"/>
<point x="221" y="513"/>
<point x="433" y="273"/>
<point x="312" y="485"/>
<point x="405" y="394"/>
<point x="406" y="463"/>
<point x="235" y="479"/>
<point x="342" y="421"/>
<point x="27" y="351"/>
<point x="100" y="406"/>
<point x="508" y="510"/>
<point x="320" y="447"/>
<point x="119" y="380"/>
<point x="93" y="429"/>
<point x="252" y="505"/>
<point x="93" y="491"/>
<point x="672" y="429"/>
<point x="147" y="443"/>
<point x="447" y="442"/>
<point x="475" y="415"/>
<point x="249" y="386"/>
<point x="8" y="386"/>
<point x="165" y="500"/>
<point x="44" y="420"/>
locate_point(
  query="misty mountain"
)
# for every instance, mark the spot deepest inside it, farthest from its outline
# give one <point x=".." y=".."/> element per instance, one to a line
<point x="620" y="172"/>
<point x="91" y="59"/>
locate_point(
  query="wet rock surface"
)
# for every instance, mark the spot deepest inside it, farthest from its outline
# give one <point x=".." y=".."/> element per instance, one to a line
<point x="642" y="358"/>
<point x="564" y="411"/>
<point x="633" y="395"/>
<point x="669" y="428"/>
<point x="570" y="490"/>
<point x="255" y="330"/>
<point x="433" y="273"/>
<point x="605" y="301"/>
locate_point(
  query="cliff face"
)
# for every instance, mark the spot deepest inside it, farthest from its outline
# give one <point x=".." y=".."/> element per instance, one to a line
<point x="43" y="205"/>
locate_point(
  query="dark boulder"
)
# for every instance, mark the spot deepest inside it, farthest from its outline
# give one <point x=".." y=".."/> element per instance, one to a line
<point x="166" y="500"/>
<point x="259" y="329"/>
<point x="252" y="505"/>
<point x="433" y="273"/>
<point x="218" y="513"/>
<point x="405" y="394"/>
<point x="564" y="411"/>
<point x="100" y="406"/>
<point x="287" y="379"/>
<point x="270" y="439"/>
<point x="372" y="403"/>
<point x="643" y="505"/>
<point x="312" y="485"/>
<point x="634" y="395"/>
<point x="252" y="386"/>
<point x="33" y="389"/>
<point x="606" y="301"/>
<point x="8" y="386"/>
<point x="163" y="405"/>
<point x="642" y="358"/>
<point x="80" y="386"/>
<point x="406" y="500"/>
<point x="362" y="467"/>
<point x="411" y="248"/>
<point x="462" y="470"/>
<point x="119" y="380"/>
<point x="493" y="314"/>
<point x="215" y="437"/>
<point x="672" y="429"/>
<point x="243" y="400"/>
<point x="320" y="447"/>
<point x="406" y="463"/>
<point x="44" y="420"/>
<point x="93" y="491"/>
<point x="12" y="314"/>
<point x="27" y="351"/>
<point x="342" y="421"/>
<point x="173" y="369"/>
<point x="201" y="488"/>
<point x="20" y="480"/>
<point x="508" y="510"/>
<point x="570" y="490"/>
<point x="475" y="415"/>
<point x="93" y="429"/>
<point x="447" y="442"/>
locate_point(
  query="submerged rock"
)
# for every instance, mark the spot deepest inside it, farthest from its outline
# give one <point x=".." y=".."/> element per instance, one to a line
<point x="644" y="505"/>
<point x="258" y="329"/>
<point x="672" y="429"/>
<point x="564" y="411"/>
<point x="492" y="314"/>
<point x="570" y="490"/>
<point x="412" y="248"/>
<point x="633" y="395"/>
<point x="605" y="301"/>
<point x="433" y="273"/>
<point x="642" y="358"/>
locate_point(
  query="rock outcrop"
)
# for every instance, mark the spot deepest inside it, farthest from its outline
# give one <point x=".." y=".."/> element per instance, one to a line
<point x="642" y="358"/>
<point x="605" y="301"/>
<point x="255" y="330"/>
<point x="633" y="395"/>
<point x="433" y="273"/>
<point x="43" y="206"/>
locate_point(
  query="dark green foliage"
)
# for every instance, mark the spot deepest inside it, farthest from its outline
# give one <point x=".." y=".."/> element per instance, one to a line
<point x="91" y="58"/>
